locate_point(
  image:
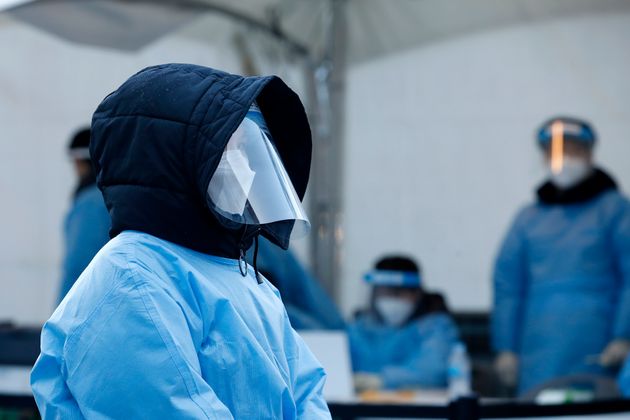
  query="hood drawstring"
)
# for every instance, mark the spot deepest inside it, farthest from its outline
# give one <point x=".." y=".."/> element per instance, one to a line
<point x="258" y="279"/>
<point x="242" y="261"/>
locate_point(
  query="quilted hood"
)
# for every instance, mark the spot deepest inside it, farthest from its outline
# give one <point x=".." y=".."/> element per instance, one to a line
<point x="157" y="140"/>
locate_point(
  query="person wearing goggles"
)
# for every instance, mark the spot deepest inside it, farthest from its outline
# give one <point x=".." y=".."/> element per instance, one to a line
<point x="404" y="339"/>
<point x="562" y="276"/>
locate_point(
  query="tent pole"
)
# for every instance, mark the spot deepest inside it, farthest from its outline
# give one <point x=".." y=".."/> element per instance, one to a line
<point x="327" y="95"/>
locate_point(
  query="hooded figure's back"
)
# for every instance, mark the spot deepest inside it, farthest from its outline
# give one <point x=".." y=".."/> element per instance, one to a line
<point x="162" y="324"/>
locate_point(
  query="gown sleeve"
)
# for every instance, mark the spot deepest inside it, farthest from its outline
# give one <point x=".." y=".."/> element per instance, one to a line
<point x="510" y="284"/>
<point x="427" y="363"/>
<point x="135" y="358"/>
<point x="309" y="384"/>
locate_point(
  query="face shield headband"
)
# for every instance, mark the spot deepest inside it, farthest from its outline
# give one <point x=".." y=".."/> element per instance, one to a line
<point x="393" y="278"/>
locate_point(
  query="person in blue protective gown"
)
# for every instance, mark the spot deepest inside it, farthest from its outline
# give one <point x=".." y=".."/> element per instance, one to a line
<point x="404" y="339"/>
<point x="86" y="226"/>
<point x="306" y="302"/>
<point x="169" y="320"/>
<point x="562" y="276"/>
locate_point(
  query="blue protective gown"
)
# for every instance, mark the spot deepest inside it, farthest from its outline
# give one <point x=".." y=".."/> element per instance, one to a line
<point x="308" y="305"/>
<point x="86" y="230"/>
<point x="562" y="286"/>
<point x="155" y="330"/>
<point x="624" y="379"/>
<point x="408" y="357"/>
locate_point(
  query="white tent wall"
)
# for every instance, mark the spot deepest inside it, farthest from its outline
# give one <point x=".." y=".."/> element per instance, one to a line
<point x="48" y="89"/>
<point x="440" y="148"/>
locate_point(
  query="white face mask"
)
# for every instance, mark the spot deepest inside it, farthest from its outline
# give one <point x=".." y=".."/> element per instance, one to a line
<point x="574" y="170"/>
<point x="394" y="311"/>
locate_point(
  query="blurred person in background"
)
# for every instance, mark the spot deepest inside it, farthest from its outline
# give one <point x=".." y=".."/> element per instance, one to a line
<point x="308" y="305"/>
<point x="87" y="224"/>
<point x="562" y="275"/>
<point x="405" y="337"/>
<point x="623" y="380"/>
<point x="169" y="321"/>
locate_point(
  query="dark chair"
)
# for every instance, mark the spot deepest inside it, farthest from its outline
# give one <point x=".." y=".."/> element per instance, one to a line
<point x="474" y="329"/>
<point x="18" y="345"/>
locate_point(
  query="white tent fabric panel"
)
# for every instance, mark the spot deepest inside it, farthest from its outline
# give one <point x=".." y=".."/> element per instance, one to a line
<point x="6" y="4"/>
<point x="121" y="25"/>
<point x="375" y="27"/>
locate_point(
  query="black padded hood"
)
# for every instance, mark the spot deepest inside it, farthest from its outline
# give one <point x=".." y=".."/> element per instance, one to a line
<point x="157" y="140"/>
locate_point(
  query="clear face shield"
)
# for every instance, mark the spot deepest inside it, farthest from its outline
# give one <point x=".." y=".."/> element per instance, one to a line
<point x="568" y="156"/>
<point x="251" y="186"/>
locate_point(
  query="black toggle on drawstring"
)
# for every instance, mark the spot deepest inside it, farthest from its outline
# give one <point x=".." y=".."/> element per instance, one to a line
<point x="242" y="261"/>
<point x="258" y="279"/>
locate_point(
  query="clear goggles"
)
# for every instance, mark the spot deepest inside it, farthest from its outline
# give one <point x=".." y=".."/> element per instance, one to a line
<point x="251" y="186"/>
